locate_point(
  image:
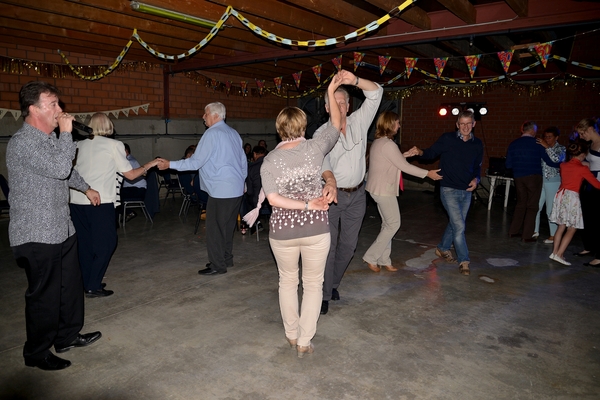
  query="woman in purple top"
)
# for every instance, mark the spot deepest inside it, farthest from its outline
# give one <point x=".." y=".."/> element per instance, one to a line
<point x="291" y="179"/>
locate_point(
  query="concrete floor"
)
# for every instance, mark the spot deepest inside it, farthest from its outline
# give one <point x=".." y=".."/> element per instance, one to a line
<point x="424" y="332"/>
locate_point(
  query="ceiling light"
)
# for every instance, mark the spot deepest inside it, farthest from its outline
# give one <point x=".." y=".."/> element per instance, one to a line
<point x="483" y="110"/>
<point x="443" y="111"/>
<point x="174" y="15"/>
<point x="455" y="110"/>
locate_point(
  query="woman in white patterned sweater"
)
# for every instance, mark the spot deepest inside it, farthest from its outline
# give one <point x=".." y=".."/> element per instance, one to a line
<point x="291" y="179"/>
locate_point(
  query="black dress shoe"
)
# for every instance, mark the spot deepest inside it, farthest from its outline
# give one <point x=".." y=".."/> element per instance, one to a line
<point x="50" y="363"/>
<point x="210" y="271"/>
<point x="80" y="341"/>
<point x="98" y="293"/>
<point x="587" y="264"/>
<point x="335" y="295"/>
<point x="580" y="254"/>
<point x="324" y="307"/>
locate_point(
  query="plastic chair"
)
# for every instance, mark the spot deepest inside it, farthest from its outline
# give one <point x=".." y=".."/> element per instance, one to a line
<point x="135" y="204"/>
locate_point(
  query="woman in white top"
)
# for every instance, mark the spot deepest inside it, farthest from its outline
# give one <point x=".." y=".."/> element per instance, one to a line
<point x="99" y="158"/>
<point x="386" y="164"/>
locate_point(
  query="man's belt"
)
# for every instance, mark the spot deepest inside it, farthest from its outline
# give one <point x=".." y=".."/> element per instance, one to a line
<point x="350" y="190"/>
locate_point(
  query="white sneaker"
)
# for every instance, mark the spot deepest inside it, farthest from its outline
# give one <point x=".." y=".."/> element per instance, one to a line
<point x="552" y="256"/>
<point x="549" y="241"/>
<point x="561" y="260"/>
<point x="535" y="234"/>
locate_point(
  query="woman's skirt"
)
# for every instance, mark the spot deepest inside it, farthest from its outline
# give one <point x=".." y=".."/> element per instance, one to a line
<point x="567" y="209"/>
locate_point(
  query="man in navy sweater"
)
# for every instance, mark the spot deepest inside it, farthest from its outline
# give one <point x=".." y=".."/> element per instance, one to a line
<point x="461" y="154"/>
<point x="524" y="157"/>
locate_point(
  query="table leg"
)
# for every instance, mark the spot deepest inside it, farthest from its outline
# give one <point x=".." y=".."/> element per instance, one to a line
<point x="492" y="187"/>
<point x="506" y="191"/>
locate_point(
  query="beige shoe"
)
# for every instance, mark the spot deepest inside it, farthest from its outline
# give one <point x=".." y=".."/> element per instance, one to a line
<point x="302" y="350"/>
<point x="292" y="342"/>
<point x="446" y="255"/>
<point x="463" y="268"/>
<point x="373" y="267"/>
<point x="390" y="268"/>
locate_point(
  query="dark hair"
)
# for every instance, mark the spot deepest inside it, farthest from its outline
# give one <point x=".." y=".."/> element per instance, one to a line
<point x="552" y="129"/>
<point x="29" y="94"/>
<point x="127" y="148"/>
<point x="191" y="149"/>
<point x="466" y="114"/>
<point x="577" y="148"/>
<point x="247" y="145"/>
<point x="259" y="150"/>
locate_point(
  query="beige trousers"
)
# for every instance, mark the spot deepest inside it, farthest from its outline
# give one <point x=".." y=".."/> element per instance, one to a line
<point x="301" y="323"/>
<point x="381" y="249"/>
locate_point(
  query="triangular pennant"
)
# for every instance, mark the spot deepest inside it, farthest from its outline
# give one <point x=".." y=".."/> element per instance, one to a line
<point x="383" y="62"/>
<point x="228" y="87"/>
<point x="16" y="114"/>
<point x="2" y="112"/>
<point x="145" y="107"/>
<point x="135" y="110"/>
<point x="261" y="85"/>
<point x="277" y="82"/>
<point x="244" y="87"/>
<point x="472" y="62"/>
<point x="114" y="113"/>
<point x="337" y="62"/>
<point x="543" y="52"/>
<point x="410" y="64"/>
<point x="297" y="76"/>
<point x="125" y="111"/>
<point x="357" y="59"/>
<point x="505" y="59"/>
<point x="317" y="71"/>
<point x="440" y="63"/>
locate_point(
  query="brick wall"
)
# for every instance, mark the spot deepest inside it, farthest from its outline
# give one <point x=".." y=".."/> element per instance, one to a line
<point x="133" y="88"/>
<point x="564" y="107"/>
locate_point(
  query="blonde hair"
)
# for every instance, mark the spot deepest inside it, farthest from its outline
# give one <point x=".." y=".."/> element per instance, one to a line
<point x="585" y="123"/>
<point x="101" y="124"/>
<point x="291" y="123"/>
<point x="385" y="125"/>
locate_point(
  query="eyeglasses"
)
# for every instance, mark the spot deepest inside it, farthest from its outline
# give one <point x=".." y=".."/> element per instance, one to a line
<point x="461" y="124"/>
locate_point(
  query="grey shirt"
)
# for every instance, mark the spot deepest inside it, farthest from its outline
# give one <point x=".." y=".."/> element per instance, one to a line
<point x="40" y="172"/>
<point x="296" y="174"/>
<point x="347" y="158"/>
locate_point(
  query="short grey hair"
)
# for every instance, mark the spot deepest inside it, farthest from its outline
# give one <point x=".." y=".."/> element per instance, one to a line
<point x="217" y="108"/>
<point x="338" y="90"/>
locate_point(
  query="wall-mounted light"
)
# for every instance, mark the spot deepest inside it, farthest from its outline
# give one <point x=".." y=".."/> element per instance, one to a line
<point x="174" y="15"/>
<point x="478" y="109"/>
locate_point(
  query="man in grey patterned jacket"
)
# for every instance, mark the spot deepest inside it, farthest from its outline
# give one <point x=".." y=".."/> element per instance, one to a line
<point x="41" y="234"/>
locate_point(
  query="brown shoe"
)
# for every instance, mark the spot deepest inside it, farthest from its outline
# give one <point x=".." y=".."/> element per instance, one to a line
<point x="373" y="267"/>
<point x="463" y="268"/>
<point x="303" y="350"/>
<point x="446" y="255"/>
<point x="390" y="268"/>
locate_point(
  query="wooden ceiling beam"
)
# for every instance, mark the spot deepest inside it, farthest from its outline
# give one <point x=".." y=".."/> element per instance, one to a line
<point x="462" y="9"/>
<point x="338" y="10"/>
<point x="413" y="15"/>
<point x="520" y="7"/>
<point x="271" y="14"/>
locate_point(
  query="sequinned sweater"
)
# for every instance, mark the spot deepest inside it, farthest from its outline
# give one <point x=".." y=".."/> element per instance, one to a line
<point x="296" y="174"/>
<point x="40" y="172"/>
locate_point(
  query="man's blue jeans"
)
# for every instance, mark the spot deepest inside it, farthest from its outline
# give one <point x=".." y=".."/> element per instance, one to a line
<point x="457" y="203"/>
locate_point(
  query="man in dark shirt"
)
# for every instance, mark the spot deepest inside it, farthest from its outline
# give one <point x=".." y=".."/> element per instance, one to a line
<point x="461" y="154"/>
<point x="41" y="234"/>
<point x="524" y="157"/>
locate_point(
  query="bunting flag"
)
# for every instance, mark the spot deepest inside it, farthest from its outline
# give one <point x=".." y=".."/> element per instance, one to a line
<point x="297" y="76"/>
<point x="244" y="86"/>
<point x="261" y="85"/>
<point x="357" y="59"/>
<point x="227" y="87"/>
<point x="472" y="62"/>
<point x="213" y="84"/>
<point x="383" y="62"/>
<point x="82" y="116"/>
<point x="317" y="71"/>
<point x="505" y="59"/>
<point x="277" y="82"/>
<point x="337" y="62"/>
<point x="440" y="63"/>
<point x="543" y="52"/>
<point x="410" y="64"/>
